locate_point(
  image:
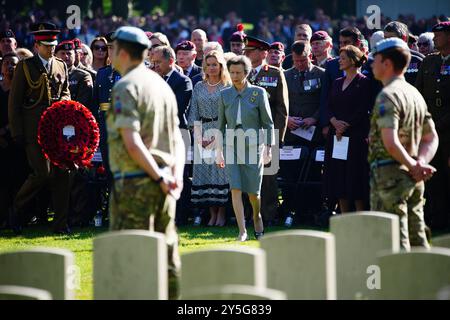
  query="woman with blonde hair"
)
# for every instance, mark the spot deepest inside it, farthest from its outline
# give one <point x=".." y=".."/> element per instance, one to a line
<point x="209" y="183"/>
<point x="86" y="56"/>
<point x="99" y="47"/>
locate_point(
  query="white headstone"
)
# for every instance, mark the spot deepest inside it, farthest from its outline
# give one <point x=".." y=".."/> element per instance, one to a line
<point x="130" y="264"/>
<point x="23" y="293"/>
<point x="359" y="238"/>
<point x="236" y="292"/>
<point x="49" y="269"/>
<point x="222" y="266"/>
<point x="442" y="241"/>
<point x="416" y="275"/>
<point x="301" y="263"/>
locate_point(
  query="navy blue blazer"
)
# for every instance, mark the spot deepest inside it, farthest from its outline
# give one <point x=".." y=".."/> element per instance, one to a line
<point x="196" y="79"/>
<point x="195" y="71"/>
<point x="182" y="88"/>
<point x="332" y="72"/>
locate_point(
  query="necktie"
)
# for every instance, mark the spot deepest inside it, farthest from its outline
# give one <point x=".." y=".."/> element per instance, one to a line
<point x="186" y="72"/>
<point x="165" y="78"/>
<point x="252" y="75"/>
<point x="46" y="66"/>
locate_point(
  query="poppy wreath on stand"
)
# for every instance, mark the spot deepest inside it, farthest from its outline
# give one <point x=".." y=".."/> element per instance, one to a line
<point x="68" y="134"/>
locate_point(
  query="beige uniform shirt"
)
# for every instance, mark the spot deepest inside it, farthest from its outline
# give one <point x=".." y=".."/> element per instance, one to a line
<point x="144" y="102"/>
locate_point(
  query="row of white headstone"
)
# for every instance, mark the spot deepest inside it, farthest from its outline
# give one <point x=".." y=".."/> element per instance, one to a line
<point x="358" y="259"/>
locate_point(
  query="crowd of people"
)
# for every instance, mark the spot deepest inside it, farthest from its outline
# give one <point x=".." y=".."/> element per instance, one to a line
<point x="313" y="79"/>
<point x="279" y="28"/>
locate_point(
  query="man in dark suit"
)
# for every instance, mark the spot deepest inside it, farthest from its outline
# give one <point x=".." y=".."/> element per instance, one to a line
<point x="272" y="79"/>
<point x="186" y="53"/>
<point x="48" y="74"/>
<point x="163" y="60"/>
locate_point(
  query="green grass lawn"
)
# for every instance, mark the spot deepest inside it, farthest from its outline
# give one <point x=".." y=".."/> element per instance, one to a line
<point x="80" y="243"/>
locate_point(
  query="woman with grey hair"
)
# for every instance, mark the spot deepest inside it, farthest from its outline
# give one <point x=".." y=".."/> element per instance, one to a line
<point x="244" y="111"/>
<point x="425" y="43"/>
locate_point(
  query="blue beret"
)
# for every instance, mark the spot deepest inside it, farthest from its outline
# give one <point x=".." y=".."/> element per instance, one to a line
<point x="390" y="43"/>
<point x="132" y="34"/>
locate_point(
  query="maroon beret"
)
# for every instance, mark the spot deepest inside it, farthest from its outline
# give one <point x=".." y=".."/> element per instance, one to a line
<point x="65" y="45"/>
<point x="320" y="35"/>
<point x="77" y="43"/>
<point x="185" y="45"/>
<point x="277" y="46"/>
<point x="237" y="37"/>
<point x="443" y="26"/>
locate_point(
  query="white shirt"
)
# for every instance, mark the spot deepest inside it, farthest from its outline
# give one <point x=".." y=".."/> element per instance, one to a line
<point x="239" y="118"/>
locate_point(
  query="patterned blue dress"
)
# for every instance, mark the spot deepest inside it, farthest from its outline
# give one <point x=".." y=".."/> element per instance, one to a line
<point x="209" y="183"/>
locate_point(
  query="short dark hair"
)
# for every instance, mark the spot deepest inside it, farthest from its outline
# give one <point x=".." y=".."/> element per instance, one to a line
<point x="354" y="54"/>
<point x="299" y="47"/>
<point x="166" y="51"/>
<point x="136" y="51"/>
<point x="400" y="58"/>
<point x="400" y="29"/>
<point x="351" y="32"/>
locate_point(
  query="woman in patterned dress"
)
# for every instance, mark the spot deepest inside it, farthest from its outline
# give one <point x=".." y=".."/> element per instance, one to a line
<point x="209" y="183"/>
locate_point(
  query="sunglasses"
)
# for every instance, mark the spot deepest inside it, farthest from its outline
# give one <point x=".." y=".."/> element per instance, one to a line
<point x="100" y="48"/>
<point x="423" y="44"/>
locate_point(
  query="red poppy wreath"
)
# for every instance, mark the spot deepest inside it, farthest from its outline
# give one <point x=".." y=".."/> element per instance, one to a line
<point x="68" y="134"/>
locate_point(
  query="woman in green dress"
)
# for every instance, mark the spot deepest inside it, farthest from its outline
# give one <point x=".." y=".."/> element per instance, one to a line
<point x="245" y="122"/>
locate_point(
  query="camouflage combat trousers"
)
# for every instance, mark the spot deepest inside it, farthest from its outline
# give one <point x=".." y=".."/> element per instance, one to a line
<point x="392" y="190"/>
<point x="139" y="203"/>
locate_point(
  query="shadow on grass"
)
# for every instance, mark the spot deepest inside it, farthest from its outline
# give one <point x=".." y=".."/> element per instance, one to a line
<point x="32" y="232"/>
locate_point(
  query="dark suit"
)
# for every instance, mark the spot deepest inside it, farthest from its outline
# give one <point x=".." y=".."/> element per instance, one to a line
<point x="196" y="79"/>
<point x="194" y="71"/>
<point x="181" y="86"/>
<point x="272" y="79"/>
<point x="26" y="106"/>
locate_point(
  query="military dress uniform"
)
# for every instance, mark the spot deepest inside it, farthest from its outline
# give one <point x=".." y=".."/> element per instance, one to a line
<point x="399" y="106"/>
<point x="273" y="81"/>
<point x="34" y="89"/>
<point x="92" y="72"/>
<point x="142" y="101"/>
<point x="106" y="78"/>
<point x="433" y="82"/>
<point x="81" y="88"/>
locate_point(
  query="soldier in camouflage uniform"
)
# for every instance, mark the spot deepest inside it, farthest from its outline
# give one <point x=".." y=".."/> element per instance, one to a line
<point x="146" y="148"/>
<point x="402" y="142"/>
